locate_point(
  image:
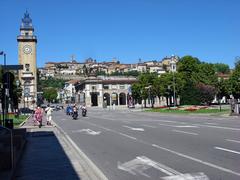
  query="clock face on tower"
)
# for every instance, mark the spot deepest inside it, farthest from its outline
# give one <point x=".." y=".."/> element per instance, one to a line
<point x="27" y="49"/>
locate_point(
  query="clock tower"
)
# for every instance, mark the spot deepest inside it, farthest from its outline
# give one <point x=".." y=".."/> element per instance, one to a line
<point x="27" y="57"/>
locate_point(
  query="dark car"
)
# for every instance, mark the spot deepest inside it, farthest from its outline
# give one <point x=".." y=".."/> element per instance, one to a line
<point x="26" y="110"/>
<point x="44" y="106"/>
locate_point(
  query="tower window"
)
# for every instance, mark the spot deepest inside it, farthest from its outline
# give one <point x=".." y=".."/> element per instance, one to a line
<point x="27" y="66"/>
<point x="26" y="34"/>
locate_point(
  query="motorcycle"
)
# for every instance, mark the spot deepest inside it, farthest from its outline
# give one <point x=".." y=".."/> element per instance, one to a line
<point x="75" y="115"/>
<point x="84" y="112"/>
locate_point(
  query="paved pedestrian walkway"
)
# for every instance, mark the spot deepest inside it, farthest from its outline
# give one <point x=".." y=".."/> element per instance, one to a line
<point x="51" y="154"/>
<point x="44" y="157"/>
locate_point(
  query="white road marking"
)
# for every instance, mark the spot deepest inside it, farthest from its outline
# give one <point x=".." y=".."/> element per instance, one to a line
<point x="187" y="126"/>
<point x="127" y="136"/>
<point x="173" y="122"/>
<point x="166" y="125"/>
<point x="148" y="126"/>
<point x="197" y="160"/>
<point x="228" y="150"/>
<point x="232" y="140"/>
<point x="171" y="151"/>
<point x="193" y="176"/>
<point x="176" y="126"/>
<point x="211" y="123"/>
<point x="218" y="127"/>
<point x="134" y="129"/>
<point x="110" y="130"/>
<point x="184" y="132"/>
<point x="87" y="131"/>
<point x="142" y="163"/>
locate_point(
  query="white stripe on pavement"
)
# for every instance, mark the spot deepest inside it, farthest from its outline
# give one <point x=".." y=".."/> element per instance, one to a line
<point x="169" y="150"/>
<point x="232" y="140"/>
<point x="218" y="127"/>
<point x="148" y="126"/>
<point x="187" y="126"/>
<point x="211" y="123"/>
<point x="185" y="132"/>
<point x="197" y="160"/>
<point x="228" y="150"/>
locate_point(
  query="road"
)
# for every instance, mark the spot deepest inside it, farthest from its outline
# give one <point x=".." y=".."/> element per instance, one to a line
<point x="129" y="145"/>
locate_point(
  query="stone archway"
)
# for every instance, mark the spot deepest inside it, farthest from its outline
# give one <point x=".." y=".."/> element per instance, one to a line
<point x="106" y="98"/>
<point x="114" y="98"/>
<point x="122" y="99"/>
<point x="94" y="99"/>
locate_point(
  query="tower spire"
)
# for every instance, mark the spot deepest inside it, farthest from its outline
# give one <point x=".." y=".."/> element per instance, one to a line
<point x="26" y="21"/>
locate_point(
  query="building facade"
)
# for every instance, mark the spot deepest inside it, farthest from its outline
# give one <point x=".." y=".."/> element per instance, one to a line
<point x="104" y="91"/>
<point x="27" y="57"/>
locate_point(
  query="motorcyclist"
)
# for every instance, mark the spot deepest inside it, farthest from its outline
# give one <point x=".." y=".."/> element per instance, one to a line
<point x="75" y="112"/>
<point x="84" y="110"/>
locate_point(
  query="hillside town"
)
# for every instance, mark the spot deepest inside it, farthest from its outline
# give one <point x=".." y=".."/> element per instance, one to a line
<point x="102" y="83"/>
<point x="73" y="69"/>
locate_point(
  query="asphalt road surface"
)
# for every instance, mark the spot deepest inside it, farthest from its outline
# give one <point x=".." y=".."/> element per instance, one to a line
<point x="129" y="145"/>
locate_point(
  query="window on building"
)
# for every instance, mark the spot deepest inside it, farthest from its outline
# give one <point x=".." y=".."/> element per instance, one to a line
<point x="105" y="87"/>
<point x="94" y="88"/>
<point x="122" y="87"/>
<point x="26" y="34"/>
<point x="27" y="66"/>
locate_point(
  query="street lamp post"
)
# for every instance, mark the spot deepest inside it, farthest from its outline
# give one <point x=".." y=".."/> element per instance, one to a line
<point x="4" y="108"/>
<point x="174" y="91"/>
<point x="173" y="69"/>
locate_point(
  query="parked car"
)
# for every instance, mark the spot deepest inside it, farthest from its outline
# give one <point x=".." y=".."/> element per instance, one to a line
<point x="26" y="110"/>
<point x="44" y="106"/>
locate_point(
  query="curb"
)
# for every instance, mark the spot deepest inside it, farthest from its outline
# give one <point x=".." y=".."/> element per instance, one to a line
<point x="20" y="125"/>
<point x="90" y="170"/>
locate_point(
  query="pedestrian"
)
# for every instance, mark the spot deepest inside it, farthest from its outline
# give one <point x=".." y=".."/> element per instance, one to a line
<point x="49" y="111"/>
<point x="38" y="114"/>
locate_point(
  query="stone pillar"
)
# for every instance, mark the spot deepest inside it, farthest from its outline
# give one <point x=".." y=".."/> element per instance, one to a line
<point x="126" y="100"/>
<point x="118" y="99"/>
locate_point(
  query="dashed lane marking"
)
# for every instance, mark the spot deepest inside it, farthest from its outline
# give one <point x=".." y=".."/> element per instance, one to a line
<point x="185" y="132"/>
<point x="232" y="140"/>
<point x="134" y="129"/>
<point x="227" y="150"/>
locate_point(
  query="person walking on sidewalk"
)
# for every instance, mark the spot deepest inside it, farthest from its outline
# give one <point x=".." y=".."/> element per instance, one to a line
<point x="49" y="111"/>
<point x="38" y="116"/>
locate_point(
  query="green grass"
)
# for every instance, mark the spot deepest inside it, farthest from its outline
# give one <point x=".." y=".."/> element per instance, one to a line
<point x="16" y="121"/>
<point x="199" y="111"/>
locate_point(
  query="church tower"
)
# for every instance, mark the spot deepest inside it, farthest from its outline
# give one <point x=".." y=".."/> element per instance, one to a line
<point x="27" y="57"/>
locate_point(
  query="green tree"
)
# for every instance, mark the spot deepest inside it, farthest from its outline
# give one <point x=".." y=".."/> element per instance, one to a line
<point x="222" y="90"/>
<point x="234" y="82"/>
<point x="221" y="68"/>
<point x="188" y="65"/>
<point x="50" y="82"/>
<point x="50" y="94"/>
<point x="144" y="86"/>
<point x="206" y="74"/>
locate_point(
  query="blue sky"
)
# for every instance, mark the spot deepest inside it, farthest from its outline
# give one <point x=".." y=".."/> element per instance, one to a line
<point x="125" y="29"/>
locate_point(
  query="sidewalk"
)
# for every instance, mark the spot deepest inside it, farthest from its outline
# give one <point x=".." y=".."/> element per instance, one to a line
<point x="48" y="155"/>
<point x="43" y="157"/>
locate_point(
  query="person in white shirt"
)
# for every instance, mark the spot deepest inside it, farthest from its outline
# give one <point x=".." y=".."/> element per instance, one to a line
<point x="49" y="111"/>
